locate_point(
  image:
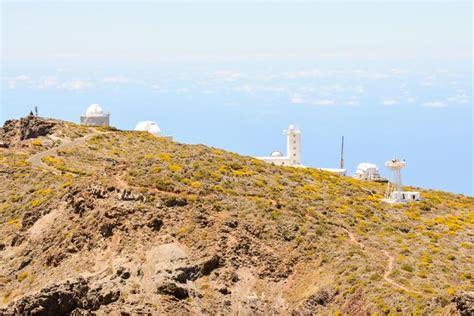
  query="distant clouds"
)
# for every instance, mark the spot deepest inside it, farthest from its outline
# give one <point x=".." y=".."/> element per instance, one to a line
<point x="459" y="99"/>
<point x="300" y="87"/>
<point x="45" y="82"/>
<point x="389" y="102"/>
<point x="20" y="79"/>
<point x="227" y="75"/>
<point x="324" y="102"/>
<point x="75" y="85"/>
<point x="116" y="79"/>
<point x="296" y="99"/>
<point x="435" y="104"/>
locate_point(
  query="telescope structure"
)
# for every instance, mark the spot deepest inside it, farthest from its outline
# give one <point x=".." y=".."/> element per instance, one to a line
<point x="394" y="193"/>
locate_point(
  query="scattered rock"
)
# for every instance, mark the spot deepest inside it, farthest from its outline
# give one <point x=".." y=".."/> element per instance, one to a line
<point x="55" y="259"/>
<point x="99" y="193"/>
<point x="79" y="200"/>
<point x="155" y="224"/>
<point x="172" y="202"/>
<point x="210" y="265"/>
<point x="126" y="195"/>
<point x="225" y="290"/>
<point x="24" y="263"/>
<point x="322" y="297"/>
<point x="234" y="277"/>
<point x="30" y="217"/>
<point x="355" y="305"/>
<point x="189" y="273"/>
<point x="202" y="219"/>
<point x="194" y="272"/>
<point x="17" y="240"/>
<point x="122" y="273"/>
<point x="232" y="223"/>
<point x="99" y="296"/>
<point x="106" y="230"/>
<point x="174" y="290"/>
<point x="465" y="303"/>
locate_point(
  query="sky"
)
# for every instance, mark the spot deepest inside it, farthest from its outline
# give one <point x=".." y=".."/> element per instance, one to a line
<point x="395" y="78"/>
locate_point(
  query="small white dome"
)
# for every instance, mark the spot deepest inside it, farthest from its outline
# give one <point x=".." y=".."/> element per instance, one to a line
<point x="148" y="126"/>
<point x="276" y="154"/>
<point x="292" y="129"/>
<point x="365" y="166"/>
<point x="94" y="110"/>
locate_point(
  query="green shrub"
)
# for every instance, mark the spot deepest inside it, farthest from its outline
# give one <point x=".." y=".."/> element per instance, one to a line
<point x="22" y="276"/>
<point x="407" y="267"/>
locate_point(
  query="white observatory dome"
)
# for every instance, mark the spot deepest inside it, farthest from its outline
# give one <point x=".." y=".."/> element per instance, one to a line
<point x="292" y="129"/>
<point x="276" y="154"/>
<point x="94" y="110"/>
<point x="148" y="126"/>
<point x="365" y="167"/>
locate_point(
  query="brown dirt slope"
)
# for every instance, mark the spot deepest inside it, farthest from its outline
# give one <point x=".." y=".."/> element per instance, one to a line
<point x="136" y="224"/>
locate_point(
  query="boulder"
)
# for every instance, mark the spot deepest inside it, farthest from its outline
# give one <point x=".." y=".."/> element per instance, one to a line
<point x="172" y="289"/>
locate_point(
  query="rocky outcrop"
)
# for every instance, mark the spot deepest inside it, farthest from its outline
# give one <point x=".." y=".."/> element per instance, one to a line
<point x="194" y="272"/>
<point x="174" y="290"/>
<point x="26" y="128"/>
<point x="126" y="195"/>
<point x="465" y="303"/>
<point x="63" y="299"/>
<point x="322" y="297"/>
<point x="173" y="202"/>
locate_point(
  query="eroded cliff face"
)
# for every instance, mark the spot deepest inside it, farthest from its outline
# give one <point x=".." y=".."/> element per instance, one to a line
<point x="15" y="131"/>
<point x="132" y="223"/>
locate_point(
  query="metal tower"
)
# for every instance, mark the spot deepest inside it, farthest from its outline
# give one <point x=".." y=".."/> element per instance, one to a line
<point x="342" y="154"/>
<point x="395" y="180"/>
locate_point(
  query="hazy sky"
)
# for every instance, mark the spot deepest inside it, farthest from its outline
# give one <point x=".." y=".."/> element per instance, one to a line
<point x="94" y="31"/>
<point x="394" y="77"/>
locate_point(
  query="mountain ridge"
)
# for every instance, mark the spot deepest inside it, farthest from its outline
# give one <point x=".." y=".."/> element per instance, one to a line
<point x="139" y="224"/>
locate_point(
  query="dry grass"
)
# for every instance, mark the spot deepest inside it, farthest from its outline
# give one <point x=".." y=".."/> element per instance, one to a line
<point x="302" y="209"/>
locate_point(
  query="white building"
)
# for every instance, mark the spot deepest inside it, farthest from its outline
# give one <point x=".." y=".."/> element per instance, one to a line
<point x="293" y="150"/>
<point x="338" y="171"/>
<point x="403" y="196"/>
<point x="152" y="128"/>
<point x="293" y="153"/>
<point x="95" y="116"/>
<point x="367" y="171"/>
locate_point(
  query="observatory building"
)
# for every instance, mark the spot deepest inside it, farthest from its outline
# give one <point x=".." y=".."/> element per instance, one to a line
<point x="293" y="150"/>
<point x="368" y="171"/>
<point x="148" y="126"/>
<point x="152" y="128"/>
<point x="95" y="116"/>
<point x="394" y="192"/>
<point x="293" y="153"/>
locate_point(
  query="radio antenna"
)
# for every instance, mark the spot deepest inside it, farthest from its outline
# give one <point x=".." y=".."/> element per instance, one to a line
<point x="342" y="153"/>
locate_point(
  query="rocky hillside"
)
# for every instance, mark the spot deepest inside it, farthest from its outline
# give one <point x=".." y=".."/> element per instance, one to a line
<point x="96" y="220"/>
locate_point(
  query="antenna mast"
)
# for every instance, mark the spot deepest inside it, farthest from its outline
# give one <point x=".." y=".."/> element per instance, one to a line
<point x="342" y="153"/>
<point x="36" y="110"/>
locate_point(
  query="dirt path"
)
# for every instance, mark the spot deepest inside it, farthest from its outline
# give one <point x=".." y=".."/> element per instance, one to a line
<point x="388" y="269"/>
<point x="37" y="160"/>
